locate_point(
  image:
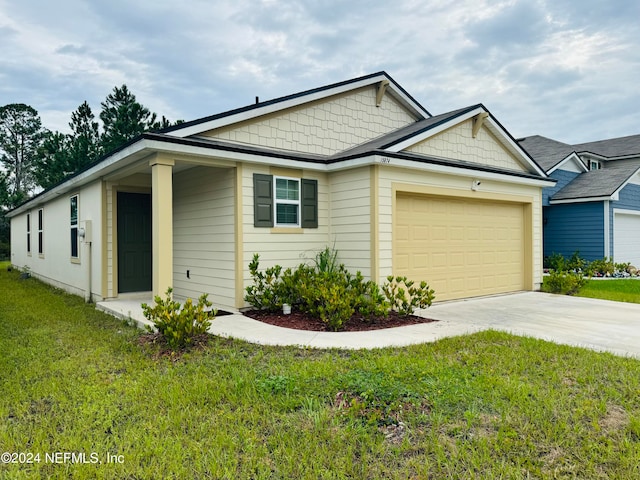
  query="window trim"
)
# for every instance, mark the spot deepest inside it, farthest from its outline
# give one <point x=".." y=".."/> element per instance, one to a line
<point x="595" y="165"/>
<point x="277" y="201"/>
<point x="29" y="233"/>
<point x="74" y="239"/>
<point x="41" y="232"/>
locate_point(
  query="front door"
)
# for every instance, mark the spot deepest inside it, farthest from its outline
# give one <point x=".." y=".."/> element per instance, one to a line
<point x="134" y="242"/>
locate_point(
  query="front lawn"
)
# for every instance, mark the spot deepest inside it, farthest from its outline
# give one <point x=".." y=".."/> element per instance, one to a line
<point x="78" y="388"/>
<point x="620" y="290"/>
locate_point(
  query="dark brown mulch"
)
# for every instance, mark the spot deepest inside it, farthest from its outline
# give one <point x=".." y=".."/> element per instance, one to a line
<point x="301" y="321"/>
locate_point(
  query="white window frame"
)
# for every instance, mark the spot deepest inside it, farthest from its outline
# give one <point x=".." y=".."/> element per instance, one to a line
<point x="41" y="232"/>
<point x="75" y="226"/>
<point x="29" y="233"/>
<point x="277" y="202"/>
<point x="594" y="165"/>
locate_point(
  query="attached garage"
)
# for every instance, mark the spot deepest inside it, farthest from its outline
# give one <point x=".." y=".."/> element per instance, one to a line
<point x="464" y="247"/>
<point x="626" y="247"/>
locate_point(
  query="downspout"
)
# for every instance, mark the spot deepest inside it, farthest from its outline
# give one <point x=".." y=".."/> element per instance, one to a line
<point x="607" y="230"/>
<point x="85" y="234"/>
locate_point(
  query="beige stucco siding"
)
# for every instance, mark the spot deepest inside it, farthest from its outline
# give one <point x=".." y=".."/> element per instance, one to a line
<point x="392" y="180"/>
<point x="350" y="215"/>
<point x="458" y="142"/>
<point x="203" y="234"/>
<point x="325" y="127"/>
<point x="282" y="246"/>
<point x="55" y="265"/>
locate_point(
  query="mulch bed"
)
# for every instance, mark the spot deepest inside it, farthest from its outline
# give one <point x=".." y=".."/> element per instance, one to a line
<point x="301" y="321"/>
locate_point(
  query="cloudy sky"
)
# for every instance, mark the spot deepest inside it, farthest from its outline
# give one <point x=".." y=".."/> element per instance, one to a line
<point x="565" y="69"/>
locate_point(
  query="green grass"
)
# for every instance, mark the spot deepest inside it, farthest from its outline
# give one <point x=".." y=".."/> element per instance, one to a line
<point x="619" y="290"/>
<point x="489" y="405"/>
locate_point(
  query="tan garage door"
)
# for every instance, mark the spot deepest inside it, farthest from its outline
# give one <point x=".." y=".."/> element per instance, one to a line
<point x="462" y="247"/>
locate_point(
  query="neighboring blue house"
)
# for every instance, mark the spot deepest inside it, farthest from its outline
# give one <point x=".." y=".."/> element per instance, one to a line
<point x="594" y="207"/>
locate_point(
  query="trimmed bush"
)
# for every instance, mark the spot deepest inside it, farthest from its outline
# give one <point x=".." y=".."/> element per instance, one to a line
<point x="180" y="324"/>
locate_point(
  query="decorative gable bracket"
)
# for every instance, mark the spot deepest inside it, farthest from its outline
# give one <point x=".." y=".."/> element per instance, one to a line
<point x="478" y="120"/>
<point x="382" y="88"/>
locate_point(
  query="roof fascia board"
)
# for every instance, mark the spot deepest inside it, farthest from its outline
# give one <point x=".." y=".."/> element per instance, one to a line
<point x="276" y="105"/>
<point x="581" y="200"/>
<point x="572" y="156"/>
<point x="384" y="161"/>
<point x="120" y="159"/>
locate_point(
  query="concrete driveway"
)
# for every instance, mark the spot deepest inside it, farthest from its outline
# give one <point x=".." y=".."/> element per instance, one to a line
<point x="595" y="324"/>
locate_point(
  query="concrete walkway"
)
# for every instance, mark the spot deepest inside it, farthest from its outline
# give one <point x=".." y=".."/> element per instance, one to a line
<point x="595" y="324"/>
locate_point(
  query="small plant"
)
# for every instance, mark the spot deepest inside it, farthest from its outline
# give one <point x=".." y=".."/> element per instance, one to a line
<point x="263" y="294"/>
<point x="180" y="324"/>
<point x="566" y="283"/>
<point x="603" y="267"/>
<point x="556" y="262"/>
<point x="405" y="297"/>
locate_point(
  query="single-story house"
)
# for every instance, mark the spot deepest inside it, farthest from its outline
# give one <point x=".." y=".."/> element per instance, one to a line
<point x="358" y="165"/>
<point x="594" y="208"/>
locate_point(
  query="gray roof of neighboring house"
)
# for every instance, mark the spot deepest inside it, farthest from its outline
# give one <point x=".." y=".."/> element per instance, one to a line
<point x="614" y="147"/>
<point x="547" y="152"/>
<point x="598" y="183"/>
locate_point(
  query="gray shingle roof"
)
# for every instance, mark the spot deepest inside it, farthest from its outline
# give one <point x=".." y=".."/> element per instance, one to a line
<point x="614" y="147"/>
<point x="598" y="183"/>
<point x="545" y="151"/>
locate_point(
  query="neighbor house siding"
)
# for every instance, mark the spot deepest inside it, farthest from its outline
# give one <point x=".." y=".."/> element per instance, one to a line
<point x="203" y="234"/>
<point x="401" y="177"/>
<point x="629" y="199"/>
<point x="574" y="227"/>
<point x="459" y="143"/>
<point x="563" y="177"/>
<point x="282" y="246"/>
<point x="350" y="214"/>
<point x="55" y="266"/>
<point x="325" y="127"/>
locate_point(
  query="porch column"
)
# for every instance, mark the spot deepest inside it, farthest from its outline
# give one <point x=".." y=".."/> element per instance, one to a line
<point x="162" y="223"/>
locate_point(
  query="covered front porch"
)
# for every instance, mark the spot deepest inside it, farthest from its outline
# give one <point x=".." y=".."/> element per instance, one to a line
<point x="187" y="241"/>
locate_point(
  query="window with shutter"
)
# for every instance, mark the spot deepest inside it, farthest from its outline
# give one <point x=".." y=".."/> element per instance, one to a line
<point x="285" y="201"/>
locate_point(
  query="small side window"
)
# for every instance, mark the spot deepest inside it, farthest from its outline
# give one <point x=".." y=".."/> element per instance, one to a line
<point x="40" y="232"/>
<point x="74" y="226"/>
<point x="28" y="233"/>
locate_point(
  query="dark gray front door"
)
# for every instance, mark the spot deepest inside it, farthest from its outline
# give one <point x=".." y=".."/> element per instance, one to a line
<point x="134" y="242"/>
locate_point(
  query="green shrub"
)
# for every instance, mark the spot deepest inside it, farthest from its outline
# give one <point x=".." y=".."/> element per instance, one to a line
<point x="603" y="267"/>
<point x="179" y="324"/>
<point x="264" y="294"/>
<point x="328" y="291"/>
<point x="566" y="283"/>
<point x="556" y="262"/>
<point x="405" y="297"/>
<point x="333" y="304"/>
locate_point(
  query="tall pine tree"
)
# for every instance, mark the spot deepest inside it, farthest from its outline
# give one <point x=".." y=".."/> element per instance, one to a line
<point x="21" y="135"/>
<point x="85" y="137"/>
<point x="123" y="118"/>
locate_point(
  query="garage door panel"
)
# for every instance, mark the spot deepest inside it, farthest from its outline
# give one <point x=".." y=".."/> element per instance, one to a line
<point x="626" y="238"/>
<point x="461" y="247"/>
